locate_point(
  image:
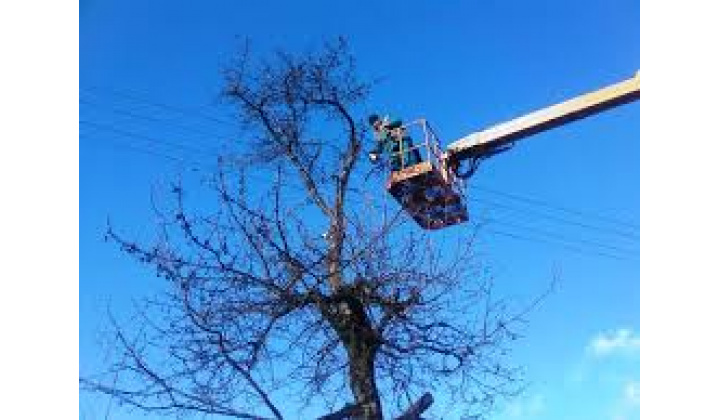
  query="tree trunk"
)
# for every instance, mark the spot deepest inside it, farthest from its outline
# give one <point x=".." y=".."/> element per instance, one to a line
<point x="347" y="316"/>
<point x="362" y="381"/>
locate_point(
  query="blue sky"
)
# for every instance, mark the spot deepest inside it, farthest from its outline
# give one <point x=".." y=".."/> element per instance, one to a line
<point x="464" y="65"/>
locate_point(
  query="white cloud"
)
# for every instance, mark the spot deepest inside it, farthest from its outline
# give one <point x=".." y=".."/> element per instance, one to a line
<point x="627" y="405"/>
<point x="631" y="393"/>
<point x="622" y="340"/>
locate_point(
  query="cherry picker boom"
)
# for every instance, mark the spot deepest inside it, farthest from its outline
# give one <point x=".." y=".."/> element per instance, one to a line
<point x="433" y="191"/>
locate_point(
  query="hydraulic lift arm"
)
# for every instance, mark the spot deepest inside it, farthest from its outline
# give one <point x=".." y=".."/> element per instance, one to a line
<point x="500" y="137"/>
<point x="432" y="191"/>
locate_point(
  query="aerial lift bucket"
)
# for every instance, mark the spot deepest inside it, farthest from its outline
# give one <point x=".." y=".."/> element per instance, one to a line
<point x="422" y="182"/>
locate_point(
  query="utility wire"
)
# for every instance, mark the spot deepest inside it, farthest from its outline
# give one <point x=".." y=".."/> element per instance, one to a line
<point x="185" y="111"/>
<point x="154" y="140"/>
<point x="260" y="179"/>
<point x="151" y="118"/>
<point x="257" y="178"/>
<point x="538" y="202"/>
<point x="146" y="151"/>
<point x="601" y="229"/>
<point x="138" y="97"/>
<point x="570" y="247"/>
<point x="629" y="230"/>
<point x="511" y="234"/>
<point x="544" y="233"/>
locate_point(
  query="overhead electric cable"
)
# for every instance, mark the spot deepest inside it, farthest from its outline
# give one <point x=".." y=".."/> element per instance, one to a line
<point x="543" y="203"/>
<point x="152" y="139"/>
<point x="601" y="229"/>
<point x="151" y="118"/>
<point x="570" y="247"/>
<point x="571" y="239"/>
<point x="138" y="97"/>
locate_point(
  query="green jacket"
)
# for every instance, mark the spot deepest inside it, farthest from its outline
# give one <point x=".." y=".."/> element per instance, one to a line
<point x="392" y="146"/>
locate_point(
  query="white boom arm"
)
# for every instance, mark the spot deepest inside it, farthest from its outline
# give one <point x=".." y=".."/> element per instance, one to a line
<point x="499" y="137"/>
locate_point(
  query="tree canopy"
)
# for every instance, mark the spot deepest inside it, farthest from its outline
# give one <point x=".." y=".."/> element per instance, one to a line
<point x="295" y="278"/>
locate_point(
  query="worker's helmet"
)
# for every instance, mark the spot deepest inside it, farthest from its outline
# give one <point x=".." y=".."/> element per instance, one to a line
<point x="374" y="118"/>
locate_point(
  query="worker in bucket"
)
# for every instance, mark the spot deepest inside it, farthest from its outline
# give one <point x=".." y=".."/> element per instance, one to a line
<point x="391" y="139"/>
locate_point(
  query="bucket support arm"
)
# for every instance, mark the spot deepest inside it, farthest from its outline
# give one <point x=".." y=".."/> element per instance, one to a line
<point x="500" y="137"/>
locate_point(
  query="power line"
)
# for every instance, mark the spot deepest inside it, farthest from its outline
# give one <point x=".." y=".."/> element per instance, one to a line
<point x="605" y="230"/>
<point x="146" y="151"/>
<point x="132" y="147"/>
<point x="125" y="112"/>
<point x="126" y="133"/>
<point x="545" y="233"/>
<point x="257" y="178"/>
<point x="570" y="247"/>
<point x="538" y="202"/>
<point x="515" y="197"/>
<point x="514" y="235"/>
<point x="137" y="97"/>
<point x="155" y="140"/>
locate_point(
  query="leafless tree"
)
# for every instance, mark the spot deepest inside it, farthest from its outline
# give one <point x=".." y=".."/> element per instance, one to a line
<point x="299" y="277"/>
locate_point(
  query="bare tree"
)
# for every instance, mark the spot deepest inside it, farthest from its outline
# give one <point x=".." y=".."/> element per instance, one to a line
<point x="297" y="278"/>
